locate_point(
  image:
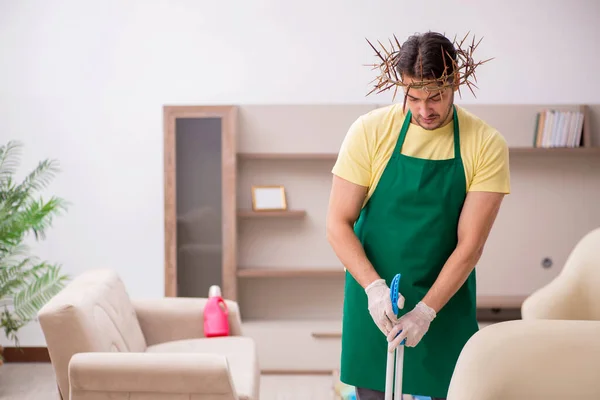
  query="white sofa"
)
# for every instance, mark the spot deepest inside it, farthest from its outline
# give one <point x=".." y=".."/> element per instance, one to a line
<point x="104" y="345"/>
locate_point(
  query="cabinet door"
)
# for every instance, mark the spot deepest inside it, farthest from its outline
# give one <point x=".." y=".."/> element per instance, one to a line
<point x="200" y="210"/>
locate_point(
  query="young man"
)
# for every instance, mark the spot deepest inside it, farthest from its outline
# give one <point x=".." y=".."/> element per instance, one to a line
<point x="416" y="190"/>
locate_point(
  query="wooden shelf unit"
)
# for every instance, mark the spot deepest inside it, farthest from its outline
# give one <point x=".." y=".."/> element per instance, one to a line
<point x="291" y="301"/>
<point x="516" y="122"/>
<point x="251" y="137"/>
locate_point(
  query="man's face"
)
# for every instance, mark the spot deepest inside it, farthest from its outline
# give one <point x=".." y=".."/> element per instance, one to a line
<point x="431" y="107"/>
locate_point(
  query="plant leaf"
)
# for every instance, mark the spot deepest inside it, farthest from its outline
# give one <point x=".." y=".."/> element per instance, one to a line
<point x="26" y="283"/>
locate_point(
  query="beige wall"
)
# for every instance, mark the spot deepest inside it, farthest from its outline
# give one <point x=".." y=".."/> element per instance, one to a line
<point x="99" y="109"/>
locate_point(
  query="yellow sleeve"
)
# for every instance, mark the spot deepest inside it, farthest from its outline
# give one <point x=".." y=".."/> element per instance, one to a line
<point x="492" y="172"/>
<point x="354" y="161"/>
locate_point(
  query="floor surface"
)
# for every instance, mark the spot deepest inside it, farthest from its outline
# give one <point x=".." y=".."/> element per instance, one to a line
<point x="35" y="381"/>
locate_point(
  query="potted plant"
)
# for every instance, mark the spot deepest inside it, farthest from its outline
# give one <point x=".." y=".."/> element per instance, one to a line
<point x="26" y="283"/>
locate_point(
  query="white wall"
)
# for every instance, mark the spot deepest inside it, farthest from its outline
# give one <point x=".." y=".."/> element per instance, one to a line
<point x="84" y="82"/>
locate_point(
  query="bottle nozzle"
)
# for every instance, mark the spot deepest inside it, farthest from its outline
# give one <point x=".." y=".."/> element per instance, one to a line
<point x="214" y="291"/>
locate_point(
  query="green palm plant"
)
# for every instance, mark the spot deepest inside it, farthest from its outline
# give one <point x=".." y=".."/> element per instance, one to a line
<point x="26" y="283"/>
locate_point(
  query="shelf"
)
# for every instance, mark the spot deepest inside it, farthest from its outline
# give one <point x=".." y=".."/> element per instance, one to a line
<point x="333" y="156"/>
<point x="326" y="334"/>
<point x="278" y="272"/>
<point x="288" y="156"/>
<point x="514" y="301"/>
<point x="338" y="334"/>
<point x="483" y="301"/>
<point x="271" y="214"/>
<point x="555" y="150"/>
<point x="320" y="332"/>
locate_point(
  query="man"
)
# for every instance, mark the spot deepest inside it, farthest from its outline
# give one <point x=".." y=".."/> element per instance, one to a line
<point x="416" y="189"/>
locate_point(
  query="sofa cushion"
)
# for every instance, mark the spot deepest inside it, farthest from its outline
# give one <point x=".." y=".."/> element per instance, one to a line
<point x="241" y="357"/>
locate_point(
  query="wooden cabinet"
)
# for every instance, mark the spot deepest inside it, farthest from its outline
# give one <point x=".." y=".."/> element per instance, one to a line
<point x="200" y="208"/>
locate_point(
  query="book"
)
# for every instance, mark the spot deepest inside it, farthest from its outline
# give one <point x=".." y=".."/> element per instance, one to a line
<point x="554" y="128"/>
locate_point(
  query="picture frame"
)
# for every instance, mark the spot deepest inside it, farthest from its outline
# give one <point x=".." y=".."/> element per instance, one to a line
<point x="268" y="198"/>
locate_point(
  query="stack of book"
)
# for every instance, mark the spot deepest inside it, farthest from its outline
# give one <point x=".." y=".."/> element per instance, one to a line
<point x="555" y="128"/>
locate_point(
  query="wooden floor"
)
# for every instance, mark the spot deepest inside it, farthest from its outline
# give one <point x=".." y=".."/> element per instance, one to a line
<point x="36" y="381"/>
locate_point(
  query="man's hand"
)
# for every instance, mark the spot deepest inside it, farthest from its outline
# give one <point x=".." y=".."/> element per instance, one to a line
<point x="380" y="305"/>
<point x="476" y="220"/>
<point x="412" y="326"/>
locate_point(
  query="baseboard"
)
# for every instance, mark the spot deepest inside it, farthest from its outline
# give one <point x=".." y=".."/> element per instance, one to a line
<point x="25" y="354"/>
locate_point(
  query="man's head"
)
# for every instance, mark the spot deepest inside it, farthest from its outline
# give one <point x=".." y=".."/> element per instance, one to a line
<point x="429" y="68"/>
<point x="425" y="59"/>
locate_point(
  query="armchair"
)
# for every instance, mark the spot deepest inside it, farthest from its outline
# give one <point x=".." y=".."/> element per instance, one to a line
<point x="103" y="345"/>
<point x="573" y="294"/>
<point x="531" y="359"/>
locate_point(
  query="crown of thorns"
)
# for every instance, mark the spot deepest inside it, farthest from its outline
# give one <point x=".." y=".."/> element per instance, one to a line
<point x="457" y="72"/>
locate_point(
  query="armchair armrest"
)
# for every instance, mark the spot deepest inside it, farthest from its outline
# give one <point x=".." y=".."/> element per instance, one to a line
<point x="560" y="299"/>
<point x="150" y="374"/>
<point x="176" y="318"/>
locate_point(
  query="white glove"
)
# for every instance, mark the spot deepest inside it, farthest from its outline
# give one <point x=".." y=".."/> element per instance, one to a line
<point x="380" y="305"/>
<point x="413" y="325"/>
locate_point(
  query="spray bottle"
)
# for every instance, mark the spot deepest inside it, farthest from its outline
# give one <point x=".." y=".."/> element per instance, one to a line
<point x="216" y="322"/>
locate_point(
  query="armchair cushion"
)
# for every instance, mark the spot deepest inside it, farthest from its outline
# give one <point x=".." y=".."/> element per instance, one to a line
<point x="239" y="351"/>
<point x="96" y="376"/>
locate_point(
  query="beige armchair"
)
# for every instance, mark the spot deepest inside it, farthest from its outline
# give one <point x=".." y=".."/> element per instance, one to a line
<point x="103" y="345"/>
<point x="573" y="294"/>
<point x="533" y="360"/>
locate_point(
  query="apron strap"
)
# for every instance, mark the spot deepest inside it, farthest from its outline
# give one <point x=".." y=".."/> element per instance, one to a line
<point x="406" y="124"/>
<point x="400" y="141"/>
<point x="457" y="155"/>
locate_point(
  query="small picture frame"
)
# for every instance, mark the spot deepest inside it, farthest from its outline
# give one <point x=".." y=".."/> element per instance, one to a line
<point x="268" y="198"/>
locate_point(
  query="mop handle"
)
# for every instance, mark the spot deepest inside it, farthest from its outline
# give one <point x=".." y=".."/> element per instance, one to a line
<point x="393" y="378"/>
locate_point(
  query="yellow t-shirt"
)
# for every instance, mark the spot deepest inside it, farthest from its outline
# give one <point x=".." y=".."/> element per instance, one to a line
<point x="369" y="143"/>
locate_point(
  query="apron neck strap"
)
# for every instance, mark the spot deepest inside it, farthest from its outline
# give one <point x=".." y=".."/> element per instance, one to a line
<point x="456" y="134"/>
<point x="406" y="125"/>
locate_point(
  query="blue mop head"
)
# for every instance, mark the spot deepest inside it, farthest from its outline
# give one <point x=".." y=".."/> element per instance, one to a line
<point x="394" y="295"/>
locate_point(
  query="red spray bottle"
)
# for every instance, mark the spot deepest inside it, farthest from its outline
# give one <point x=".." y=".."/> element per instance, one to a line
<point x="216" y="322"/>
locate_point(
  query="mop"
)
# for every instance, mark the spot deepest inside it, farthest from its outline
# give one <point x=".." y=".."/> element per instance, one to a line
<point x="393" y="376"/>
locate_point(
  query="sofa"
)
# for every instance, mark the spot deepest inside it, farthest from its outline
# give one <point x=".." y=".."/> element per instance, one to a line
<point x="105" y="345"/>
<point x="529" y="359"/>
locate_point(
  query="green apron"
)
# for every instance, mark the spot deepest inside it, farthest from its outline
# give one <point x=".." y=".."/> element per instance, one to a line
<point x="409" y="226"/>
